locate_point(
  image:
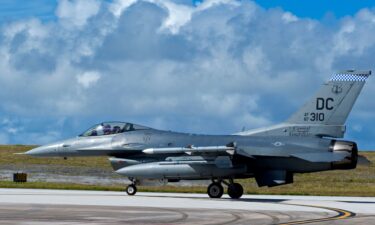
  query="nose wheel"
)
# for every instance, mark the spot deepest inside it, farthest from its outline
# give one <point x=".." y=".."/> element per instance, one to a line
<point x="131" y="189"/>
<point x="216" y="190"/>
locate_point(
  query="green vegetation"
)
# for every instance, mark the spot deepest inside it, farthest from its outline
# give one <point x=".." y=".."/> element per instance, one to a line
<point x="7" y="156"/>
<point x="358" y="182"/>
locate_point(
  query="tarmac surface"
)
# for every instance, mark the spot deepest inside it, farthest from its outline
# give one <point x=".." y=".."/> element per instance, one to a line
<point x="31" y="206"/>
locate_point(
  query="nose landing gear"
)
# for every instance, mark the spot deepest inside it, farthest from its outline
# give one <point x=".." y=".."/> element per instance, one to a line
<point x="216" y="190"/>
<point x="131" y="189"/>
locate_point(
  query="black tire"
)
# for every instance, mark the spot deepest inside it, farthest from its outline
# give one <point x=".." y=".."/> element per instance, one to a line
<point x="235" y="190"/>
<point x="131" y="189"/>
<point x="215" y="190"/>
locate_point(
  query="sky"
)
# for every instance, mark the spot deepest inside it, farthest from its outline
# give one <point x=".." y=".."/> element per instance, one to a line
<point x="214" y="66"/>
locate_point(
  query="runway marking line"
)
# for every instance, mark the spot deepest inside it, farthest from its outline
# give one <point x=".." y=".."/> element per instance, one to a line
<point x="342" y="214"/>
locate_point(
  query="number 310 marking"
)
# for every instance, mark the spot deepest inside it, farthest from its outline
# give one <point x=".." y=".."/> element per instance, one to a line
<point x="316" y="116"/>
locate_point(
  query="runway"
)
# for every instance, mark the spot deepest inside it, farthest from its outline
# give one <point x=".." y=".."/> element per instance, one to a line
<point x="29" y="206"/>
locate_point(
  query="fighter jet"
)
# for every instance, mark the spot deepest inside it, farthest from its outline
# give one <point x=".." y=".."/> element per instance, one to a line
<point x="309" y="141"/>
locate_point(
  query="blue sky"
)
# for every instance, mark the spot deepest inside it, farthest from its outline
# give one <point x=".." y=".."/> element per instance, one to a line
<point x="206" y="67"/>
<point x="11" y="10"/>
<point x="317" y="9"/>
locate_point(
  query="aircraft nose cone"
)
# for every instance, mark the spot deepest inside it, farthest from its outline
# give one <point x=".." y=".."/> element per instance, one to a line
<point x="46" y="150"/>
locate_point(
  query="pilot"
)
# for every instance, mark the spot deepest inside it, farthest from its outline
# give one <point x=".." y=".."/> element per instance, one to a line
<point x="107" y="129"/>
<point x="94" y="133"/>
<point x="116" y="129"/>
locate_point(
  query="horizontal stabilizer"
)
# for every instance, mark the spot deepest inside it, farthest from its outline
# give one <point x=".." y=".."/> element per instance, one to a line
<point x="321" y="156"/>
<point x="272" y="178"/>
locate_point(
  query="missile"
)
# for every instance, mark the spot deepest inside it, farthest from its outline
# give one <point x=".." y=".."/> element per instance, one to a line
<point x="190" y="150"/>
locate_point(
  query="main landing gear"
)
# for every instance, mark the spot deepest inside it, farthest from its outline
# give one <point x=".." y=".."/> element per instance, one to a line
<point x="216" y="190"/>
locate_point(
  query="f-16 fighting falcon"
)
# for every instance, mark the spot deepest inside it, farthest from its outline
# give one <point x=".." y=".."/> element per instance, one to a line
<point x="306" y="142"/>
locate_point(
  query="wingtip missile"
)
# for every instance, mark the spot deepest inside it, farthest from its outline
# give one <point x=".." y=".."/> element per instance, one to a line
<point x="148" y="151"/>
<point x="188" y="150"/>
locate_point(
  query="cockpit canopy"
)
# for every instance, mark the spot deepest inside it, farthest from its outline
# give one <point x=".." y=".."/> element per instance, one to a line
<point x="107" y="128"/>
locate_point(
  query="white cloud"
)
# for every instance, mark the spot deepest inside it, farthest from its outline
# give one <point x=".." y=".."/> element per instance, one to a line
<point x="12" y="130"/>
<point x="178" y="15"/>
<point x="289" y="17"/>
<point x="88" y="78"/>
<point x="214" y="67"/>
<point x="77" y="12"/>
<point x="118" y="6"/>
<point x="342" y="42"/>
<point x="33" y="27"/>
<point x="256" y="60"/>
<point x="211" y="3"/>
<point x="250" y="121"/>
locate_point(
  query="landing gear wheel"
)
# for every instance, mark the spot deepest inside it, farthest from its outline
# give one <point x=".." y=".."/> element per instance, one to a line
<point x="235" y="190"/>
<point x="131" y="189"/>
<point x="215" y="190"/>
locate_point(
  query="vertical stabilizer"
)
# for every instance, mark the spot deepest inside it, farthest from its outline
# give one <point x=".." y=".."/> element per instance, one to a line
<point x="332" y="104"/>
<point x="325" y="114"/>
